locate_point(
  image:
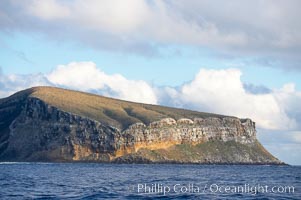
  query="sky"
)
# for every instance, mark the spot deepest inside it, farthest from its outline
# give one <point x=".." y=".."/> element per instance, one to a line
<point x="242" y="58"/>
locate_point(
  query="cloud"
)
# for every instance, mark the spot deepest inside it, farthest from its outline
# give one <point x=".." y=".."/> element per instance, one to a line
<point x="10" y="84"/>
<point x="256" y="89"/>
<point x="262" y="29"/>
<point x="222" y="91"/>
<point x="87" y="77"/>
<point x="47" y="10"/>
<point x="83" y="76"/>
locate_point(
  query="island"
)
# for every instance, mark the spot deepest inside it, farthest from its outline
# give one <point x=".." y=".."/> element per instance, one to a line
<point x="48" y="124"/>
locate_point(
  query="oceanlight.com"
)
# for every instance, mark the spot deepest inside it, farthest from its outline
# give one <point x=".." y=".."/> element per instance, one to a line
<point x="158" y="188"/>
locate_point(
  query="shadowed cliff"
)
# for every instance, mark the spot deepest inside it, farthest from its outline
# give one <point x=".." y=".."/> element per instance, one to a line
<point x="53" y="124"/>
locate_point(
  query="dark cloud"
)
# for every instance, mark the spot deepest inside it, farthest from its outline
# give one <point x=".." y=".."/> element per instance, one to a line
<point x="256" y="89"/>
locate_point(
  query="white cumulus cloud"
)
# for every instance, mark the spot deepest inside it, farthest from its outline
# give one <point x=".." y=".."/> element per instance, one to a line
<point x="222" y="91"/>
<point x="87" y="77"/>
<point x="12" y="83"/>
<point x="83" y="76"/>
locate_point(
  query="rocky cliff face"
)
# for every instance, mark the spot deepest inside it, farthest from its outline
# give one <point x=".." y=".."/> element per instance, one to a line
<point x="168" y="132"/>
<point x="37" y="131"/>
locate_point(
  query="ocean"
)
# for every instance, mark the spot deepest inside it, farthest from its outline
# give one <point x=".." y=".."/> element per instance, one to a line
<point x="147" y="181"/>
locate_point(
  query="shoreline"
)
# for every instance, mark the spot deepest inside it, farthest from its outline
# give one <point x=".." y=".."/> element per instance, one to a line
<point x="145" y="163"/>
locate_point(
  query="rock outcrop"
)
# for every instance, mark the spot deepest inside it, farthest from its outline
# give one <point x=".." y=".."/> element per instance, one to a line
<point x="34" y="130"/>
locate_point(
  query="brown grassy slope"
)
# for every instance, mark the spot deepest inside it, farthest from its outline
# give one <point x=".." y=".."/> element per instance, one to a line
<point x="217" y="152"/>
<point x="110" y="111"/>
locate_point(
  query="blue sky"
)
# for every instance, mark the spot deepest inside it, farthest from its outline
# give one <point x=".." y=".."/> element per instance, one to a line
<point x="190" y="54"/>
<point x="25" y="53"/>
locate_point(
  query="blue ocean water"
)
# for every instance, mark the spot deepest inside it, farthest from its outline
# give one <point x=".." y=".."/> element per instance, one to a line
<point x="138" y="181"/>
